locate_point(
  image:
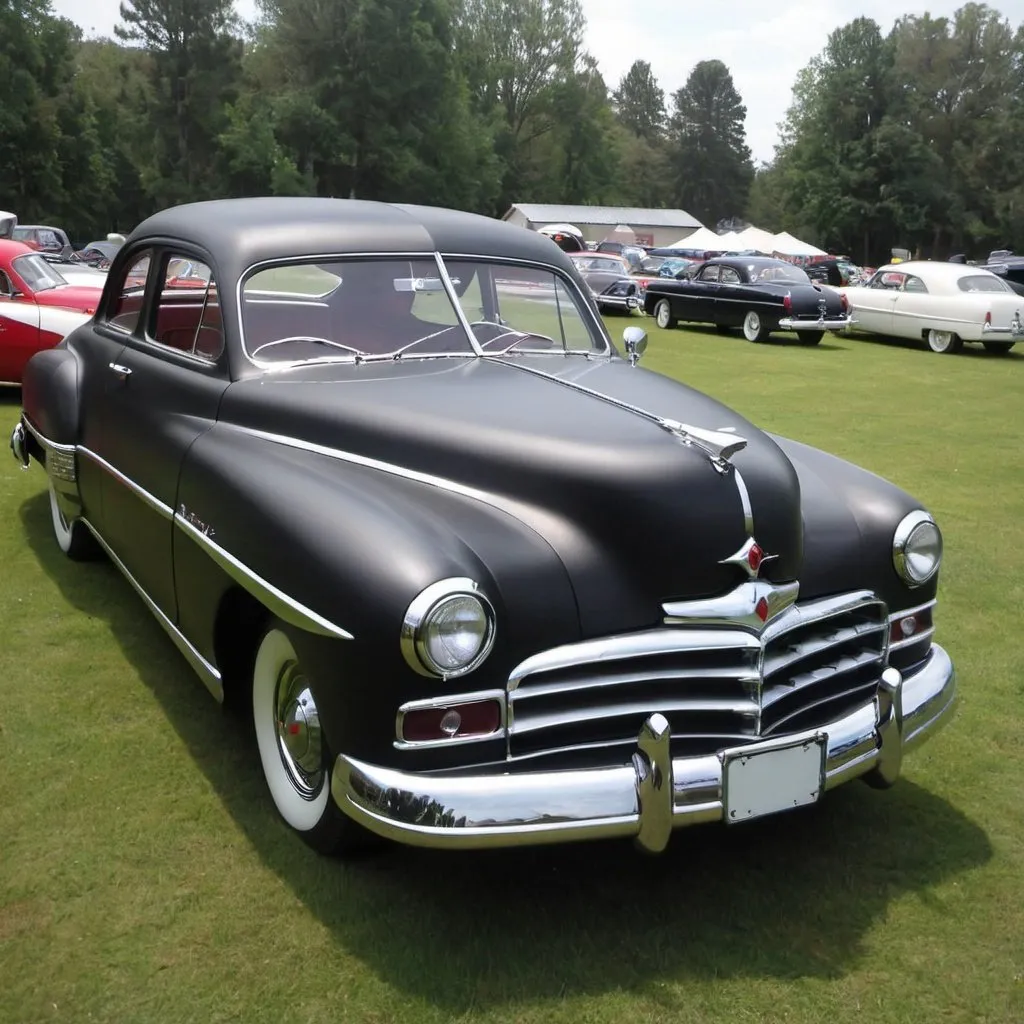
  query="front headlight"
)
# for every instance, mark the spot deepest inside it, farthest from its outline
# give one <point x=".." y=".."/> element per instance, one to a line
<point x="917" y="548"/>
<point x="448" y="629"/>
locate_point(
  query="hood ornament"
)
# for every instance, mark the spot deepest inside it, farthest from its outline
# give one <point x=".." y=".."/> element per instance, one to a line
<point x="750" y="558"/>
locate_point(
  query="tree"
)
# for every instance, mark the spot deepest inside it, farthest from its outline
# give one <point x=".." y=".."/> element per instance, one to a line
<point x="707" y="144"/>
<point x="195" y="66"/>
<point x="640" y="102"/>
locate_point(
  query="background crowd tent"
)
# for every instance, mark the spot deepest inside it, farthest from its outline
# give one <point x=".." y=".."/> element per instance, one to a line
<point x="650" y="227"/>
<point x="702" y="238"/>
<point x="756" y="239"/>
<point x="787" y="245"/>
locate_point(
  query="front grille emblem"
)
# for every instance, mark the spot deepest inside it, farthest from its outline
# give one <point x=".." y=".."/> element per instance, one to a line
<point x="750" y="558"/>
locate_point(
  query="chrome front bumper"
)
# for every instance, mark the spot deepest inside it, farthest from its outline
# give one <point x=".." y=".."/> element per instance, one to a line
<point x="645" y="799"/>
<point x="789" y="324"/>
<point x="618" y="301"/>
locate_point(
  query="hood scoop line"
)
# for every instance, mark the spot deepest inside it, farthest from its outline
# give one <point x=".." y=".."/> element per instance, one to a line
<point x="718" y="445"/>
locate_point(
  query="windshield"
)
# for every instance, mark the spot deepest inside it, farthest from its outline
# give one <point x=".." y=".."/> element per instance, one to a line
<point x="376" y="309"/>
<point x="778" y="272"/>
<point x="39" y="275"/>
<point x="600" y="264"/>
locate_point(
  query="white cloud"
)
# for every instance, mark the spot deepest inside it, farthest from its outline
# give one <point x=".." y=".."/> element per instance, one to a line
<point x="764" y="44"/>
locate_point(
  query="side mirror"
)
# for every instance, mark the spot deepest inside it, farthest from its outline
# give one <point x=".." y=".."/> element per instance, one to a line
<point x="635" y="340"/>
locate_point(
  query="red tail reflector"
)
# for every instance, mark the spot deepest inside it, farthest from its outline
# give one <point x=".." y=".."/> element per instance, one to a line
<point x="844" y="302"/>
<point x="478" y="718"/>
<point x="988" y="318"/>
<point x="787" y="303"/>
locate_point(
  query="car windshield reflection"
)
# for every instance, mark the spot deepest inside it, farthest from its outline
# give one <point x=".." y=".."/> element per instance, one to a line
<point x="387" y="308"/>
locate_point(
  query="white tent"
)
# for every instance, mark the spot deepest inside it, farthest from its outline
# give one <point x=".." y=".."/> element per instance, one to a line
<point x="731" y="242"/>
<point x="755" y="238"/>
<point x="702" y="238"/>
<point x="786" y="244"/>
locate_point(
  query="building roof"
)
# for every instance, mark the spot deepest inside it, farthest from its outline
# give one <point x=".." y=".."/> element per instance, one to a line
<point x="545" y="213"/>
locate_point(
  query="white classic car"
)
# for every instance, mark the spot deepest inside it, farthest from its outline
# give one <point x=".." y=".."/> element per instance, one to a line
<point x="945" y="304"/>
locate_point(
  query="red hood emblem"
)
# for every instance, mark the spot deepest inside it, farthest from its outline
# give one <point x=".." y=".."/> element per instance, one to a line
<point x="750" y="558"/>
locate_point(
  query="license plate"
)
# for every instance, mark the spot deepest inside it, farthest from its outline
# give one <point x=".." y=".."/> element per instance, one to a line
<point x="769" y="781"/>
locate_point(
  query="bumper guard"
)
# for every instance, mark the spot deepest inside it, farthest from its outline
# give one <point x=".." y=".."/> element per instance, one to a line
<point x="646" y="798"/>
<point x="790" y="324"/>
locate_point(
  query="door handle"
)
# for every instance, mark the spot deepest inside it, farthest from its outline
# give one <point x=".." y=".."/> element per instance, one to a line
<point x="124" y="372"/>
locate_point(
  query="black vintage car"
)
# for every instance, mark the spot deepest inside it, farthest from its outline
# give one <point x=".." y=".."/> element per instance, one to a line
<point x="608" y="278"/>
<point x="758" y="294"/>
<point x="476" y="579"/>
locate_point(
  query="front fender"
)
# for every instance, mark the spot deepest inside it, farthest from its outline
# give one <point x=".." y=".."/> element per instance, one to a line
<point x="356" y="545"/>
<point x="849" y="517"/>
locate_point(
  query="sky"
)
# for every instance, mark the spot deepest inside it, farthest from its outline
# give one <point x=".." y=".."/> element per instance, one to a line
<point x="765" y="43"/>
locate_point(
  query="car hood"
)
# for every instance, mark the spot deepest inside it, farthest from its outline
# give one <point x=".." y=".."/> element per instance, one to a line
<point x="636" y="516"/>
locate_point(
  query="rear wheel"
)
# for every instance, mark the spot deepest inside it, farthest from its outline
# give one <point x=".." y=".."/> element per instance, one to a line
<point x="754" y="328"/>
<point x="663" y="315"/>
<point x="944" y="342"/>
<point x="998" y="348"/>
<point x="808" y="337"/>
<point x="294" y="751"/>
<point x="72" y="535"/>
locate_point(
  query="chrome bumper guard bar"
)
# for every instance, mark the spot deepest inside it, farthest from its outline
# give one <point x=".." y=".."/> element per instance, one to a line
<point x="1015" y="330"/>
<point x="621" y="301"/>
<point x="790" y="324"/>
<point x="645" y="799"/>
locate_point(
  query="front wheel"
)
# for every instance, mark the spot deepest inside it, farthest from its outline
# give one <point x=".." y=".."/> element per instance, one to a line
<point x="754" y="328"/>
<point x="998" y="348"/>
<point x="296" y="758"/>
<point x="72" y="535"/>
<point x="944" y="342"/>
<point x="663" y="315"/>
<point x="808" y="337"/>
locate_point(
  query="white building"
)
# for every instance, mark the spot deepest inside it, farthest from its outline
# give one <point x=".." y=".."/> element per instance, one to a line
<point x="649" y="227"/>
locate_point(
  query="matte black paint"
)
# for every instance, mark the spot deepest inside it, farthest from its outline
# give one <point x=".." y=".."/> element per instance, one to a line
<point x="584" y="517"/>
<point x="726" y="305"/>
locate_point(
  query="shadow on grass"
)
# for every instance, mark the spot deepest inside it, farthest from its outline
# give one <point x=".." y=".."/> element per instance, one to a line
<point x="789" y="897"/>
<point x="970" y="350"/>
<point x="782" y="340"/>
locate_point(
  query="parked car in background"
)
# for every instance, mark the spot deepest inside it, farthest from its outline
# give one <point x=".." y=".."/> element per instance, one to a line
<point x="943" y="304"/>
<point x="44" y="239"/>
<point x="38" y="307"/>
<point x="608" y="278"/>
<point x="757" y="294"/>
<point x="477" y="579"/>
<point x="98" y="254"/>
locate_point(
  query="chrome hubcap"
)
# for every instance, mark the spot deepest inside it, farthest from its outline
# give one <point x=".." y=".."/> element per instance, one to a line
<point x="298" y="731"/>
<point x="663" y="315"/>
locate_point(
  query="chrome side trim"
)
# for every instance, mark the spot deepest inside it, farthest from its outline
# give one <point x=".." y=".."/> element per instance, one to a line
<point x="67" y="449"/>
<point x="208" y="673"/>
<point x="275" y="600"/>
<point x="455" y="700"/>
<point x="903" y="613"/>
<point x="748" y="511"/>
<point x="140" y="492"/>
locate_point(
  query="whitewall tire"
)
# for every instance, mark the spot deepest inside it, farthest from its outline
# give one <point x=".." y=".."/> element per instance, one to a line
<point x="293" y="748"/>
<point x="753" y="327"/>
<point x="944" y="342"/>
<point x="72" y="537"/>
<point x="663" y="315"/>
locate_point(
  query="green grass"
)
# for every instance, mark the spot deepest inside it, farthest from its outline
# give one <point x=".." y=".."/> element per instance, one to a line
<point x="145" y="877"/>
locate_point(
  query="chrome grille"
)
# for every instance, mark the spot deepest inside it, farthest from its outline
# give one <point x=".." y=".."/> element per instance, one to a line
<point x="717" y="686"/>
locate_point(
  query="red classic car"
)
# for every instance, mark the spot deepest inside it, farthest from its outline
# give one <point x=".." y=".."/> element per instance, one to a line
<point x="37" y="307"/>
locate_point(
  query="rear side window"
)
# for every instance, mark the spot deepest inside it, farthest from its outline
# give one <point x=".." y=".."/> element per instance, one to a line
<point x="915" y="284"/>
<point x="187" y="315"/>
<point x="132" y="289"/>
<point x="983" y="283"/>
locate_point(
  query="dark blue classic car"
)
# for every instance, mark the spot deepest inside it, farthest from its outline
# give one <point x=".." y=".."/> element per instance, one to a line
<point x="475" y="578"/>
<point x="756" y="293"/>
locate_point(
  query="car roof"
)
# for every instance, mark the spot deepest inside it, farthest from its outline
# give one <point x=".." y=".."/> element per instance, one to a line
<point x="242" y="232"/>
<point x="934" y="269"/>
<point x="10" y="248"/>
<point x="746" y="262"/>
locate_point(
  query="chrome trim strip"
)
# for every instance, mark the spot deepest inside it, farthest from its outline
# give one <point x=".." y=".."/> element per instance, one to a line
<point x="453" y="298"/>
<point x="748" y="510"/>
<point x="208" y="673"/>
<point x="899" y="645"/>
<point x="455" y="700"/>
<point x="496" y="808"/>
<point x="791" y="324"/>
<point x="67" y="449"/>
<point x="896" y="616"/>
<point x="275" y="600"/>
<point x="140" y="492"/>
<point x="718" y="445"/>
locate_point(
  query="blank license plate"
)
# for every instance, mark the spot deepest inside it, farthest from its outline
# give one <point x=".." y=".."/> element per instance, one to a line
<point x="761" y="783"/>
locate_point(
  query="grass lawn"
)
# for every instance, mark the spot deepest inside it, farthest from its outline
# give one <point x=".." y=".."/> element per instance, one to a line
<point x="144" y="875"/>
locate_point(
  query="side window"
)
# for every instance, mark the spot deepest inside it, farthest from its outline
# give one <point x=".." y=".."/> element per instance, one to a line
<point x="729" y="276"/>
<point x="128" y="306"/>
<point x="187" y="315"/>
<point x="49" y="241"/>
<point x="537" y="302"/>
<point x="709" y="273"/>
<point x="915" y="284"/>
<point x="6" y="288"/>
